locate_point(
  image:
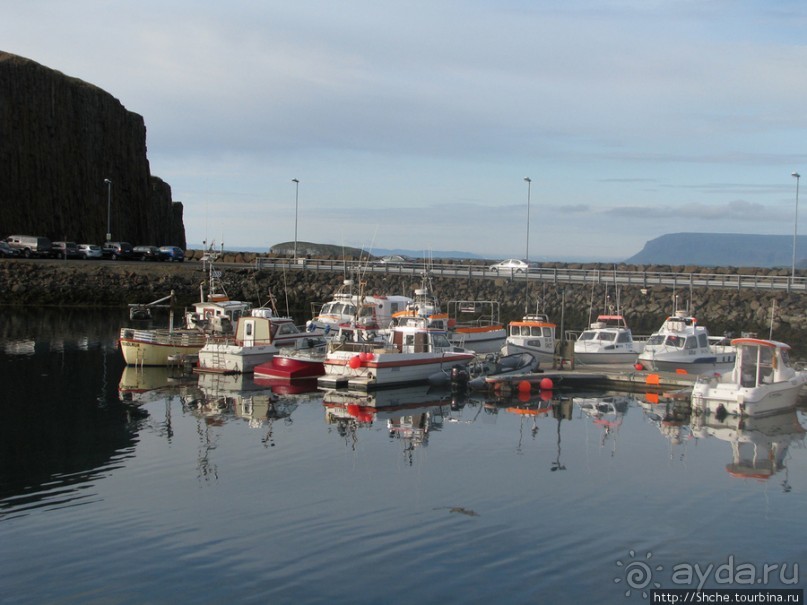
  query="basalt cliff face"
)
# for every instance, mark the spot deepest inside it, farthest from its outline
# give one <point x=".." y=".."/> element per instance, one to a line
<point x="61" y="139"/>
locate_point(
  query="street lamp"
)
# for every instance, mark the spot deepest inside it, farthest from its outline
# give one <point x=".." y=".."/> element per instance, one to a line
<point x="795" y="226"/>
<point x="527" y="255"/>
<point x="108" y="209"/>
<point x="296" y="198"/>
<point x="529" y="187"/>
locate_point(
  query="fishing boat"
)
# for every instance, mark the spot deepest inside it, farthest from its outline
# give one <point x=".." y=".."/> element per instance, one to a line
<point x="159" y="346"/>
<point x="762" y="381"/>
<point x="257" y="339"/>
<point x="533" y="334"/>
<point x="214" y="314"/>
<point x="413" y="353"/>
<point x="349" y="308"/>
<point x="682" y="345"/>
<point x="470" y="324"/>
<point x="607" y="340"/>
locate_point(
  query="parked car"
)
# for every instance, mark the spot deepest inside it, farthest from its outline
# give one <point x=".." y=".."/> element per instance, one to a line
<point x="173" y="253"/>
<point x="7" y="251"/>
<point x="88" y="251"/>
<point x="30" y="245"/>
<point x="510" y="266"/>
<point x="147" y="253"/>
<point x="117" y="250"/>
<point x="65" y="250"/>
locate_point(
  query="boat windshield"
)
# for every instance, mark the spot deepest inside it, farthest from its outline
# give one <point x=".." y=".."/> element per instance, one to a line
<point x="675" y="341"/>
<point x="588" y="335"/>
<point x="440" y="341"/>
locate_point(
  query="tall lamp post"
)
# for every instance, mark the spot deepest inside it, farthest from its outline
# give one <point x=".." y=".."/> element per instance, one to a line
<point x="797" y="176"/>
<point x="108" y="209"/>
<point x="296" y="198"/>
<point x="527" y="255"/>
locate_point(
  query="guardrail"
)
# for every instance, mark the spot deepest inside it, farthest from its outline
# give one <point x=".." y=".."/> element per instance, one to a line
<point x="558" y="276"/>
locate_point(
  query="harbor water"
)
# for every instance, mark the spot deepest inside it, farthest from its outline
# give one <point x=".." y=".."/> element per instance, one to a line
<point x="124" y="486"/>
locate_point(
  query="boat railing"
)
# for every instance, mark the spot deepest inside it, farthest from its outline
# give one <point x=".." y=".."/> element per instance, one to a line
<point x="165" y="337"/>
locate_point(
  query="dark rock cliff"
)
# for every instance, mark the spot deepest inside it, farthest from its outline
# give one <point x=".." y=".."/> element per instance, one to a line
<point x="60" y="138"/>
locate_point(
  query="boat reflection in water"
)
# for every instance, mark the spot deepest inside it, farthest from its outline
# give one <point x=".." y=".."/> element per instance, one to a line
<point x="221" y="397"/>
<point x="140" y="385"/>
<point x="759" y="446"/>
<point x="410" y="414"/>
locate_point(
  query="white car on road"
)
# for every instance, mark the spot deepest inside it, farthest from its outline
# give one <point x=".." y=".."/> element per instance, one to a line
<point x="510" y="266"/>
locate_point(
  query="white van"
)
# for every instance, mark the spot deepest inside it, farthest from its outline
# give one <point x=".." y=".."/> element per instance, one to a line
<point x="30" y="245"/>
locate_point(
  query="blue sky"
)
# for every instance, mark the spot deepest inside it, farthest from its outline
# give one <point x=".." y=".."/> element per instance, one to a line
<point x="413" y="124"/>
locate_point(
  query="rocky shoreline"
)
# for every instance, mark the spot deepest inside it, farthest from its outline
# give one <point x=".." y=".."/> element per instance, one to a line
<point x="100" y="284"/>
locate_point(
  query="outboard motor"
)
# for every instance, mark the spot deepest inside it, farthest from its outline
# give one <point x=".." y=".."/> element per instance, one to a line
<point x="459" y="379"/>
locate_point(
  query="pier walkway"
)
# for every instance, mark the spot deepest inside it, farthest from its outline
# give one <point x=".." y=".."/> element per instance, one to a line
<point x="555" y="276"/>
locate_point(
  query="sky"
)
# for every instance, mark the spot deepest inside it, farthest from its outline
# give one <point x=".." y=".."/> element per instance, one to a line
<point x="412" y="125"/>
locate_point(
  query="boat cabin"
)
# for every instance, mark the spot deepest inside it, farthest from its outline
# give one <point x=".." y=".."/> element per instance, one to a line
<point x="412" y="336"/>
<point x="761" y="362"/>
<point x="372" y="312"/>
<point x="532" y="326"/>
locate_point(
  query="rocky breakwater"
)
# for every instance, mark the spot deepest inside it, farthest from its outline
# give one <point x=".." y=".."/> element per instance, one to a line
<point x="106" y="284"/>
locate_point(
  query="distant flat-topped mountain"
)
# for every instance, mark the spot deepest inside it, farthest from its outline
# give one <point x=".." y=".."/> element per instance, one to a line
<point x="722" y="250"/>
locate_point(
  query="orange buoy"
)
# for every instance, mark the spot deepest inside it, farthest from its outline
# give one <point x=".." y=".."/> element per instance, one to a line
<point x="546" y="384"/>
<point x="354" y="362"/>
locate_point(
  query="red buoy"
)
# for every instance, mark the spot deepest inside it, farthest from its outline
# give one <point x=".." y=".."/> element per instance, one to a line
<point x="546" y="384"/>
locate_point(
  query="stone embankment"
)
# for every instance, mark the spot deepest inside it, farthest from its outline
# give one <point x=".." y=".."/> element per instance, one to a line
<point x="107" y="284"/>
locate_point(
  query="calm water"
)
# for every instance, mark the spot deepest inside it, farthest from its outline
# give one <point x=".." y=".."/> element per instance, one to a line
<point x="119" y="487"/>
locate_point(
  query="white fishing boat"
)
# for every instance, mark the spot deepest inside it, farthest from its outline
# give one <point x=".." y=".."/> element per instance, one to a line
<point x="414" y="353"/>
<point x="348" y="308"/>
<point x="762" y="381"/>
<point x="532" y="334"/>
<point x="607" y="340"/>
<point x="682" y="345"/>
<point x="215" y="313"/>
<point x="257" y="339"/>
<point x="470" y="324"/>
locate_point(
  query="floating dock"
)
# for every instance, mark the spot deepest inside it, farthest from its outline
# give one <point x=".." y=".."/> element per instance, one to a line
<point x="618" y="377"/>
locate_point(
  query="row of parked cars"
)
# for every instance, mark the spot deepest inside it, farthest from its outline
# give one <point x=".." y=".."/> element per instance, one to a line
<point x="29" y="246"/>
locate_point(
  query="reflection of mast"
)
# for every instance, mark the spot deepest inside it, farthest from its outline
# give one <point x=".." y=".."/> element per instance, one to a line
<point x="560" y="410"/>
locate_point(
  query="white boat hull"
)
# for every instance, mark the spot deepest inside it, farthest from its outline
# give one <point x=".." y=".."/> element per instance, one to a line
<point x="479" y="341"/>
<point x="234" y="359"/>
<point x="739" y="401"/>
<point x="543" y="356"/>
<point x="387" y="369"/>
<point x="605" y="357"/>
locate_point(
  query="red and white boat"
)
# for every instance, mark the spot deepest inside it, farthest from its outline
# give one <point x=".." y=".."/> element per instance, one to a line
<point x="414" y="353"/>
<point x="292" y="365"/>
